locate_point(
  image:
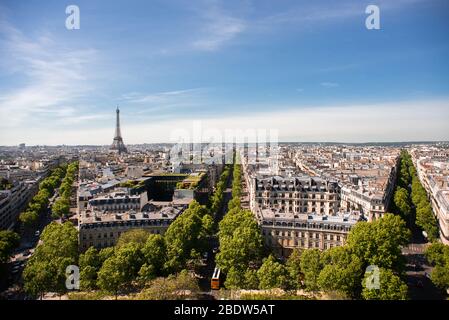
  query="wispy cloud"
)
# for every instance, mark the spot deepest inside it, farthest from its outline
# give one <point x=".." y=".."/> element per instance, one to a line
<point x="53" y="77"/>
<point x="424" y="121"/>
<point x="329" y="84"/>
<point x="311" y="13"/>
<point x="159" y="97"/>
<point x="78" y="119"/>
<point x="220" y="28"/>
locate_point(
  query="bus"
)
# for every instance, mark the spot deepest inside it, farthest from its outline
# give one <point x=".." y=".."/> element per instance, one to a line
<point x="215" y="281"/>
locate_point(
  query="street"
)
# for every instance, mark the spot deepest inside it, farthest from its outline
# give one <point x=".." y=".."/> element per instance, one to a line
<point x="28" y="241"/>
<point x="418" y="270"/>
<point x="207" y="270"/>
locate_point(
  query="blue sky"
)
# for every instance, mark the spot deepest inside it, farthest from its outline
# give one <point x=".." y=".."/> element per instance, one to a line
<point x="309" y="69"/>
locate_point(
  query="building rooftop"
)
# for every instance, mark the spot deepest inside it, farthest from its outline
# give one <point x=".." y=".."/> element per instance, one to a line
<point x="153" y="213"/>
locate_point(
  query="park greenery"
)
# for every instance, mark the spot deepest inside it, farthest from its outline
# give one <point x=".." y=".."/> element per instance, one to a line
<point x="38" y="205"/>
<point x="410" y="199"/>
<point x="61" y="207"/>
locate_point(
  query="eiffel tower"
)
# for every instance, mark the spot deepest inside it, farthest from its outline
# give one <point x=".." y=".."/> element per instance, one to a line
<point x="117" y="143"/>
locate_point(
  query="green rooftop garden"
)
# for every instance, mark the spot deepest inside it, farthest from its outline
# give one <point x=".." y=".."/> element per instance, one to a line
<point x="190" y="182"/>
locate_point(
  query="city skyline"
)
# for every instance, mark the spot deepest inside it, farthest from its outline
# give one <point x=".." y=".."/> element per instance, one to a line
<point x="310" y="70"/>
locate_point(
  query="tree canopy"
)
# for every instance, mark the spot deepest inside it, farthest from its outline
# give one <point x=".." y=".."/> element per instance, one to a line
<point x="187" y="232"/>
<point x="391" y="287"/>
<point x="45" y="270"/>
<point x="9" y="240"/>
<point x="39" y="203"/>
<point x="438" y="255"/>
<point x="379" y="242"/>
<point x="137" y="236"/>
<point x="272" y="274"/>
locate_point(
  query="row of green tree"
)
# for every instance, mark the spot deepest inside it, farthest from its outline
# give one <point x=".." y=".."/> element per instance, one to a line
<point x="143" y="259"/>
<point x="61" y="207"/>
<point x="138" y="261"/>
<point x="338" y="270"/>
<point x="9" y="240"/>
<point x="39" y="203"/>
<point x="438" y="255"/>
<point x="411" y="201"/>
<point x="138" y="258"/>
<point x="216" y="200"/>
<point x="46" y="269"/>
<point x="241" y="243"/>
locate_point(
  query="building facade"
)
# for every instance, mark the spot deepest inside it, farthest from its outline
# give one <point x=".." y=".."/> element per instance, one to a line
<point x="285" y="232"/>
<point x="101" y="230"/>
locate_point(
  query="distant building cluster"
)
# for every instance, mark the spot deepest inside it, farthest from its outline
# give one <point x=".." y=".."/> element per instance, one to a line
<point x="432" y="165"/>
<point x="311" y="196"/>
<point x="138" y="189"/>
<point x="21" y="171"/>
<point x="302" y="195"/>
